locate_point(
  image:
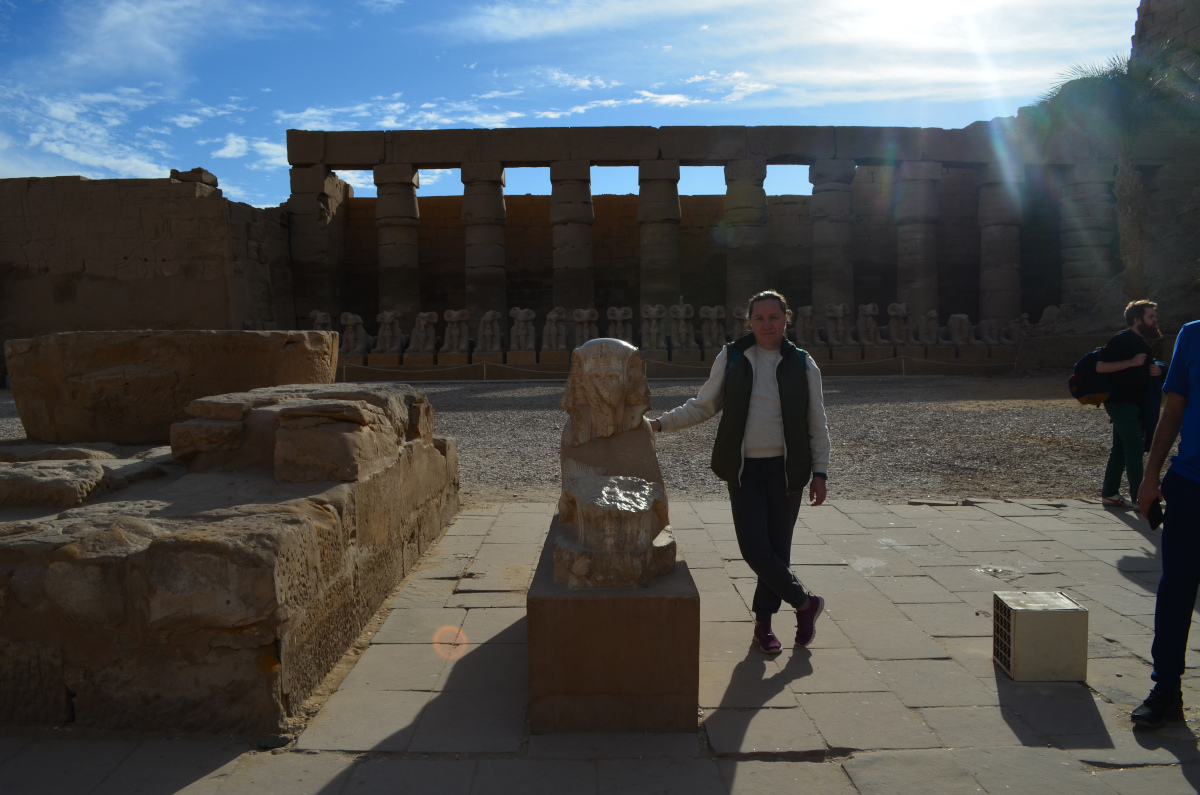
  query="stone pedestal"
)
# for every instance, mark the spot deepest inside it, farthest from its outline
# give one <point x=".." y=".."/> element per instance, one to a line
<point x="911" y="351"/>
<point x="555" y="357"/>
<point x="351" y="359"/>
<point x="940" y="352"/>
<point x="819" y="353"/>
<point x="397" y="221"/>
<point x="1003" y="353"/>
<point x="876" y="352"/>
<point x="491" y="357"/>
<point x="383" y="359"/>
<point x="653" y="356"/>
<point x="690" y="355"/>
<point x="846" y="354"/>
<point x="522" y="357"/>
<point x="658" y="231"/>
<point x="453" y="358"/>
<point x="613" y="659"/>
<point x="972" y="352"/>
<point x="418" y="358"/>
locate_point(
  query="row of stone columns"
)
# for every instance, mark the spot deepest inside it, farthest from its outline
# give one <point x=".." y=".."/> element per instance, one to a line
<point x="1087" y="229"/>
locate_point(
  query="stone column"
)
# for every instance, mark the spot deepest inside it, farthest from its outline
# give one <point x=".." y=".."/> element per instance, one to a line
<point x="317" y="232"/>
<point x="1087" y="228"/>
<point x="832" y="266"/>
<point x="916" y="215"/>
<point x="571" y="218"/>
<point x="999" y="218"/>
<point x="746" y="270"/>
<point x="483" y="216"/>
<point x="658" y="228"/>
<point x="397" y="219"/>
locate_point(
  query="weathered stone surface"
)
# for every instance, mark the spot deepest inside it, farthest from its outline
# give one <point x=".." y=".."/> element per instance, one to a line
<point x="98" y="451"/>
<point x="333" y="440"/>
<point x="210" y="603"/>
<point x="47" y="484"/>
<point x="129" y="386"/>
<point x="204" y="435"/>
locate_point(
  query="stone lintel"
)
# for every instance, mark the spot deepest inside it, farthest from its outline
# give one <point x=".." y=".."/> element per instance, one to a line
<point x="354" y="149"/>
<point x="305" y="147"/>
<point x="482" y="172"/>
<point x="526" y="146"/>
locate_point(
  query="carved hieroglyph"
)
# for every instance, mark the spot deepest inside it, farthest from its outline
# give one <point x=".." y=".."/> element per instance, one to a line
<point x="489" y="338"/>
<point x="619" y="325"/>
<point x="585" y="325"/>
<point x="554" y="333"/>
<point x="424" y="339"/>
<point x="458" y="335"/>
<point x="355" y="341"/>
<point x="683" y="333"/>
<point x="613" y="508"/>
<point x="522" y="336"/>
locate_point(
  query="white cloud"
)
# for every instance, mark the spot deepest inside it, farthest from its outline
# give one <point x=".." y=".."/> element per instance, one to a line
<point x="558" y="77"/>
<point x="380" y="6"/>
<point x="184" y="120"/>
<point x="272" y="155"/>
<point x="235" y="146"/>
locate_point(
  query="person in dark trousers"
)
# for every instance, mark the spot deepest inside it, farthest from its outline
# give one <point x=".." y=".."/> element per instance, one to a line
<point x="1180" y="531"/>
<point x="1127" y="359"/>
<point x="771" y="442"/>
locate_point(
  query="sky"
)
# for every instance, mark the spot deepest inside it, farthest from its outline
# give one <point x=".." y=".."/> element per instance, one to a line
<point x="132" y="88"/>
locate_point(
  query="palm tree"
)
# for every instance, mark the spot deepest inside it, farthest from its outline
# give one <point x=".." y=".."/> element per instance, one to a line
<point x="1119" y="101"/>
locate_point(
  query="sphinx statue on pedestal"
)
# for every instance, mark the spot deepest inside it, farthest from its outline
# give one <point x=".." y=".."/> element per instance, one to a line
<point x="615" y="530"/>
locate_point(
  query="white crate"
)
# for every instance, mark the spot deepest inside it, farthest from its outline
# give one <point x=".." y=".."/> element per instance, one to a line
<point x="1039" y="636"/>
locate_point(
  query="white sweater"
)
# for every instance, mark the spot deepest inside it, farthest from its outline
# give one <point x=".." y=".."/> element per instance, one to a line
<point x="763" y="437"/>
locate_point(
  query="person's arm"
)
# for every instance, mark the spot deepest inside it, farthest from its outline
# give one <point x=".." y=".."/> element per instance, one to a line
<point x="1168" y="428"/>
<point x="708" y="401"/>
<point x="1112" y="367"/>
<point x="818" y="434"/>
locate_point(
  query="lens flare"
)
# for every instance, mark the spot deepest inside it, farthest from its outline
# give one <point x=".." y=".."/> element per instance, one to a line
<point x="450" y="642"/>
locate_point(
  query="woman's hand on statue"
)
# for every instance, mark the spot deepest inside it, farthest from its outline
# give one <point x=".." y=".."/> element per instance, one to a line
<point x="816" y="491"/>
<point x="656" y="426"/>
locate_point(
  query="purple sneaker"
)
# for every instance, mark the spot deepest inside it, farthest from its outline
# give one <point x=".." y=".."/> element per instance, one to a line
<point x="806" y="620"/>
<point x="766" y="639"/>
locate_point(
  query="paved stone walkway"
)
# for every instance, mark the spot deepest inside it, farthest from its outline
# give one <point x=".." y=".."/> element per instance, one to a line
<point x="898" y="693"/>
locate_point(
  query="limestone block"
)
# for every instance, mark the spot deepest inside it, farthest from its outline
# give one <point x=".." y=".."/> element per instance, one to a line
<point x="746" y="195"/>
<point x="832" y="204"/>
<point x="395" y="204"/>
<point x="526" y="146"/>
<point x="571" y="203"/>
<point x="204" y="435"/>
<point x="825" y="171"/>
<point x="486" y="172"/>
<point x="128" y="387"/>
<point x="203" y="176"/>
<point x="305" y="147"/>
<point x="879" y="144"/>
<point x="790" y="145"/>
<point x="350" y="149"/>
<point x="309" y="181"/>
<point x="613" y="146"/>
<point x="999" y="204"/>
<point x="919" y="170"/>
<point x="570" y="171"/>
<point x="1084" y="173"/>
<point x="696" y="146"/>
<point x="333" y="440"/>
<point x="48" y="484"/>
<point x="402" y="174"/>
<point x="997" y="174"/>
<point x="434" y="148"/>
<point x="46" y="452"/>
<point x="955" y="146"/>
<point x="754" y="171"/>
<point x="916" y="202"/>
<point x="1087" y="237"/>
<point x="658" y="201"/>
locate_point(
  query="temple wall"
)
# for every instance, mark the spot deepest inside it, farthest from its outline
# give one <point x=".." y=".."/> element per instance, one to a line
<point x="79" y="254"/>
<point x="1160" y="21"/>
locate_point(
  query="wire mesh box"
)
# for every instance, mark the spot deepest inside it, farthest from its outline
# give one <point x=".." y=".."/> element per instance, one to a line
<point x="1039" y="636"/>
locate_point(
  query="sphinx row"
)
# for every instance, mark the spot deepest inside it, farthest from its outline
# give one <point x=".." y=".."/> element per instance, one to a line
<point x="664" y="328"/>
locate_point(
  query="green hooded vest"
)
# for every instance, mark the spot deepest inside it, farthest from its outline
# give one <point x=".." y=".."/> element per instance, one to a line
<point x="793" y="402"/>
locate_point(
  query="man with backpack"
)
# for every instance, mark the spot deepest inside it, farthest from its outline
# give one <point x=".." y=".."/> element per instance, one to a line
<point x="1127" y="359"/>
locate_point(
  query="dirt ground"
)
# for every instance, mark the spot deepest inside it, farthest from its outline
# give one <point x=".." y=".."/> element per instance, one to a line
<point x="894" y="438"/>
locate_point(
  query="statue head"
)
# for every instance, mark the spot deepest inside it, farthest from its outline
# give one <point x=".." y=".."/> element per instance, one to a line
<point x="606" y="391"/>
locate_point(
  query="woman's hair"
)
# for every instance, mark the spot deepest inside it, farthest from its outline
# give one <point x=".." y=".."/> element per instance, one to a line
<point x="768" y="295"/>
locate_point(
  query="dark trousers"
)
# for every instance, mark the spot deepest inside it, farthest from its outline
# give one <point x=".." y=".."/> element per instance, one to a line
<point x="1125" y="455"/>
<point x="763" y="517"/>
<point x="1180" y="577"/>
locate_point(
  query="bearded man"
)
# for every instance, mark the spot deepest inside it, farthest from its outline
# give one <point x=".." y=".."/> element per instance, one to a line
<point x="1127" y="359"/>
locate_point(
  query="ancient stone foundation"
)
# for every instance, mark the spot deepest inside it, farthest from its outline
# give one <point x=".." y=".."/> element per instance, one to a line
<point x="129" y="386"/>
<point x="213" y="597"/>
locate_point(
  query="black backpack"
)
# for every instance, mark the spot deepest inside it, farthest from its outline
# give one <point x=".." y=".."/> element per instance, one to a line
<point x="1087" y="386"/>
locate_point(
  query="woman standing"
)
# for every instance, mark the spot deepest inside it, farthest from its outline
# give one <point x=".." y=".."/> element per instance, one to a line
<point x="771" y="441"/>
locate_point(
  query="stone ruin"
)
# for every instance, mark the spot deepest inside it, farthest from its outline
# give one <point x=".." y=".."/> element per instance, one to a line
<point x="613" y="527"/>
<point x="211" y="584"/>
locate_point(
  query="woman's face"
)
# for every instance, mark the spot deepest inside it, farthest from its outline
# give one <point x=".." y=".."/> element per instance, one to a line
<point x="768" y="321"/>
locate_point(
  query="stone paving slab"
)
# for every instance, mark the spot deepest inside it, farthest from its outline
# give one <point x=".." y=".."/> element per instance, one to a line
<point x="897" y="693"/>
